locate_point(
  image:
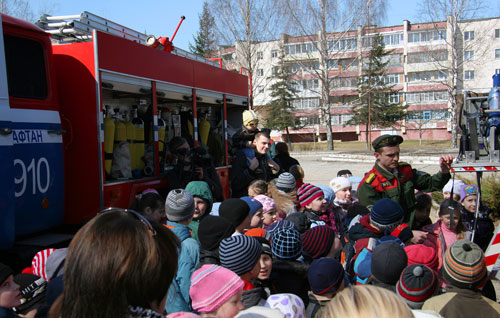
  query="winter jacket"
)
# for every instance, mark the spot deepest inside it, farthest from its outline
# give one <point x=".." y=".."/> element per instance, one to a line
<point x="484" y="227"/>
<point x="285" y="161"/>
<point x="199" y="189"/>
<point x="315" y="218"/>
<point x="457" y="303"/>
<point x="178" y="293"/>
<point x="290" y="276"/>
<point x="253" y="297"/>
<point x="360" y="236"/>
<point x="241" y="175"/>
<point x="435" y="239"/>
<point x="316" y="307"/>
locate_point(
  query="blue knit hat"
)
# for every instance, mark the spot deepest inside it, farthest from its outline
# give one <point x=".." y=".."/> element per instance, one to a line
<point x="386" y="214"/>
<point x="325" y="275"/>
<point x="253" y="204"/>
<point x="239" y="253"/>
<point x="286" y="243"/>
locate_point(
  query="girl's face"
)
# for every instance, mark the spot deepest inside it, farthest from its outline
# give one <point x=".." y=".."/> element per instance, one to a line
<point x="256" y="220"/>
<point x="252" y="192"/>
<point x="344" y="194"/>
<point x="269" y="217"/>
<point x="10" y="296"/>
<point x="469" y="203"/>
<point x="231" y="307"/>
<point x="446" y="220"/>
<point x="156" y="214"/>
<point x="266" y="265"/>
<point x="200" y="207"/>
<point x="318" y="204"/>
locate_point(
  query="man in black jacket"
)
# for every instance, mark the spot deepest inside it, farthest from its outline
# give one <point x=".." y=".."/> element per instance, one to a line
<point x="245" y="170"/>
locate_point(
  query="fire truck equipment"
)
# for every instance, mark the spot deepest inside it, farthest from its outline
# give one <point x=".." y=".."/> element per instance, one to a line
<point x="138" y="141"/>
<point x="120" y="130"/>
<point x="109" y="137"/>
<point x="204" y="129"/>
<point x="130" y="128"/>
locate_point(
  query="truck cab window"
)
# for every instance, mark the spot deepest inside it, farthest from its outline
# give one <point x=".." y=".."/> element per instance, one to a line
<point x="26" y="75"/>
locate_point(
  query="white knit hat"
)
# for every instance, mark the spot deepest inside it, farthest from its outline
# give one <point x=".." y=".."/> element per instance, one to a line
<point x="340" y="183"/>
<point x="457" y="188"/>
<point x="248" y="116"/>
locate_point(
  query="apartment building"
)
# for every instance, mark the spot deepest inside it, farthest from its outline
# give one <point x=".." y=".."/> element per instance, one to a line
<point x="426" y="61"/>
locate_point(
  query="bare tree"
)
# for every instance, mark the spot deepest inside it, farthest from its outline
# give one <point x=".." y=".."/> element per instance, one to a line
<point x="246" y="23"/>
<point x="456" y="13"/>
<point x="17" y="8"/>
<point x="328" y="28"/>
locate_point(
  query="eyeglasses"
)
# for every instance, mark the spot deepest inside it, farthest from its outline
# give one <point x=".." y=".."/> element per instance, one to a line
<point x="252" y="124"/>
<point x="135" y="214"/>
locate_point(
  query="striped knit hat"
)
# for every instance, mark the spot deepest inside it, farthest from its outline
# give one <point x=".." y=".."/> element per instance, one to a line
<point x="212" y="286"/>
<point x="464" y="265"/>
<point x="39" y="261"/>
<point x="285" y="182"/>
<point x="179" y="205"/>
<point x="307" y="193"/>
<point x="417" y="284"/>
<point x="286" y="243"/>
<point x="239" y="253"/>
<point x="318" y="241"/>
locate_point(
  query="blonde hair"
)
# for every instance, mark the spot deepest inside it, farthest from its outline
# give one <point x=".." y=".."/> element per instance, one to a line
<point x="367" y="301"/>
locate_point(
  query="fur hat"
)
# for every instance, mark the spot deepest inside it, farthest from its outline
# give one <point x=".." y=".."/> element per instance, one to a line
<point x="235" y="210"/>
<point x="325" y="275"/>
<point x="179" y="205"/>
<point x="239" y="253"/>
<point x="417" y="284"/>
<point x="307" y="193"/>
<point x="212" y="286"/>
<point x="464" y="265"/>
<point x="286" y="243"/>
<point x="386" y="214"/>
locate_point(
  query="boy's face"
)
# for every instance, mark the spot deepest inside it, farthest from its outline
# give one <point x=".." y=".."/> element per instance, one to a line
<point x="200" y="207"/>
<point x="318" y="204"/>
<point x="10" y="296"/>
<point x="469" y="203"/>
<point x="261" y="144"/>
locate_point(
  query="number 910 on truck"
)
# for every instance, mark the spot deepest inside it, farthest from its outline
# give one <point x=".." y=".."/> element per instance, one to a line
<point x="85" y="119"/>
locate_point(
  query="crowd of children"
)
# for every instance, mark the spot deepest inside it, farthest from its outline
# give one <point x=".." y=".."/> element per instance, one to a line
<point x="284" y="248"/>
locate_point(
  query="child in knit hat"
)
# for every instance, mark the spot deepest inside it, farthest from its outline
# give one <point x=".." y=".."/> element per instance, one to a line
<point x="179" y="207"/>
<point x="342" y="188"/>
<point x="237" y="212"/>
<point x="33" y="290"/>
<point x="388" y="261"/>
<point x="212" y="230"/>
<point x="288" y="304"/>
<point x="289" y="273"/>
<point x="10" y="296"/>
<point x="326" y="277"/>
<point x="243" y="137"/>
<point x="255" y="212"/>
<point x="216" y="292"/>
<point x="313" y="203"/>
<point x="464" y="267"/>
<point x="203" y="200"/>
<point x="484" y="225"/>
<point x="268" y="210"/>
<point x="241" y="254"/>
<point x="417" y="284"/>
<point x="457" y="186"/>
<point x="320" y="241"/>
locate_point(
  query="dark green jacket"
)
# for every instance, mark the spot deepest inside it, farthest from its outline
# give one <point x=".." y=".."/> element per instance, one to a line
<point x="379" y="183"/>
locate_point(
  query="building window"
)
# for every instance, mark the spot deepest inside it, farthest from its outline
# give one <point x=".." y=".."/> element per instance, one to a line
<point x="274" y="53"/>
<point x="497" y="33"/>
<point x="469" y="75"/>
<point x="425" y="57"/>
<point x="260" y="55"/>
<point x="468" y="35"/>
<point x="393" y="39"/>
<point x="305" y="103"/>
<point x="497" y="53"/>
<point x="275" y="70"/>
<point x="260" y="72"/>
<point x="468" y="55"/>
<point x="426" y="36"/>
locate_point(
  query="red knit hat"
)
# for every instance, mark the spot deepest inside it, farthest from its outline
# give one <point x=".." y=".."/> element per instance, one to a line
<point x="318" y="241"/>
<point x="422" y="254"/>
<point x="307" y="193"/>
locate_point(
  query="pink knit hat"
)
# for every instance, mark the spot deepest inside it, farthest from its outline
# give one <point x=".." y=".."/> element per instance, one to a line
<point x="268" y="204"/>
<point x="212" y="286"/>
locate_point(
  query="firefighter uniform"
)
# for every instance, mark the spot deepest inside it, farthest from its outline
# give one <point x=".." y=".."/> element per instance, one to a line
<point x="398" y="185"/>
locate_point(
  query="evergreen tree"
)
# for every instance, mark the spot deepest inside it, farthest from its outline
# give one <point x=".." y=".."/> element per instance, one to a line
<point x="205" y="40"/>
<point x="375" y="106"/>
<point x="280" y="114"/>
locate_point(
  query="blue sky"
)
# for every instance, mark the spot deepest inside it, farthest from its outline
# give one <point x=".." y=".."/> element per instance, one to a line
<point x="161" y="17"/>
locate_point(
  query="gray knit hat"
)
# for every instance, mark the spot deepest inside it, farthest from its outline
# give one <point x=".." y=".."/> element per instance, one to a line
<point x="179" y="205"/>
<point x="285" y="182"/>
<point x="239" y="253"/>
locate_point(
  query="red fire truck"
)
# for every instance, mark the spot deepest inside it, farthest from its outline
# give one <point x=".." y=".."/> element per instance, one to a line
<point x="85" y="117"/>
